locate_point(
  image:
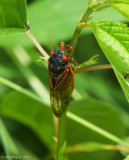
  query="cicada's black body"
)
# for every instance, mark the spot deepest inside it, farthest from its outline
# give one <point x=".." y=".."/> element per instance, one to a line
<point x="61" y="80"/>
<point x="57" y="65"/>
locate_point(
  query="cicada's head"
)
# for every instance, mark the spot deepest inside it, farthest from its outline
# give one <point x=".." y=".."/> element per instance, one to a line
<point x="58" y="61"/>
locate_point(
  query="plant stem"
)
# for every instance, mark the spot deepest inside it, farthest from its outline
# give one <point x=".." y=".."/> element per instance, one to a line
<point x="39" y="88"/>
<point x="7" y="141"/>
<point x="96" y="129"/>
<point x="86" y="15"/>
<point x="20" y="89"/>
<point x="61" y="133"/>
<point x="91" y="68"/>
<point x="42" y="51"/>
<point x="76" y="148"/>
<point x="92" y="6"/>
<point x="70" y="115"/>
<point x="55" y="121"/>
<point x="77" y="31"/>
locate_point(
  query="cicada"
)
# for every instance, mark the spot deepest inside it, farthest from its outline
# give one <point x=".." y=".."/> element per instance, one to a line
<point x="61" y="79"/>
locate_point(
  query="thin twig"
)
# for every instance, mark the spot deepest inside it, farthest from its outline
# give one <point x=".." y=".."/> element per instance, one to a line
<point x="119" y="148"/>
<point x="61" y="134"/>
<point x="91" y="68"/>
<point x="97" y="129"/>
<point x="55" y="120"/>
<point x="73" y="149"/>
<point x="42" y="51"/>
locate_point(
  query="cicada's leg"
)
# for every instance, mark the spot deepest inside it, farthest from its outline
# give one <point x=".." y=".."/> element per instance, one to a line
<point x="69" y="50"/>
<point x="72" y="61"/>
<point x="73" y="69"/>
<point x="71" y="47"/>
<point x="62" y="46"/>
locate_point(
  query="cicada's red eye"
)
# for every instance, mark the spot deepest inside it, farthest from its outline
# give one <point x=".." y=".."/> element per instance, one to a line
<point x="51" y="52"/>
<point x="65" y="58"/>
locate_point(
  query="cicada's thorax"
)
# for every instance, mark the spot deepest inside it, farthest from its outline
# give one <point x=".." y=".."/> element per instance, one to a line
<point x="57" y="65"/>
<point x="61" y="80"/>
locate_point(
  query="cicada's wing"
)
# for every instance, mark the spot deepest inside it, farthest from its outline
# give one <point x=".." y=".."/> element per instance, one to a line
<point x="60" y="95"/>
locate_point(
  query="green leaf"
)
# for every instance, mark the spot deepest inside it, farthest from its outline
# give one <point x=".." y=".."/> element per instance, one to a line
<point x="61" y="152"/>
<point x="30" y="113"/>
<point x="100" y="114"/>
<point x="93" y="60"/>
<point x="124" y="85"/>
<point x="44" y="26"/>
<point x="113" y="38"/>
<point x="127" y="158"/>
<point x="9" y="146"/>
<point x="25" y="153"/>
<point x="13" y="16"/>
<point x="122" y="6"/>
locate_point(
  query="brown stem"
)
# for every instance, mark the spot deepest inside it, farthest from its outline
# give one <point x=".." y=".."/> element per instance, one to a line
<point x="42" y="51"/>
<point x="55" y="120"/>
<point x="91" y="68"/>
<point x="84" y="26"/>
<point x="74" y="149"/>
<point x="119" y="148"/>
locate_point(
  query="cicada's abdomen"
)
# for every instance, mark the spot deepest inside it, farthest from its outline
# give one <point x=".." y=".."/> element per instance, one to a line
<point x="61" y="91"/>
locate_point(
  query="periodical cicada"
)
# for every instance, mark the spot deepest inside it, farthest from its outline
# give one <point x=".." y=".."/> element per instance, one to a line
<point x="61" y="79"/>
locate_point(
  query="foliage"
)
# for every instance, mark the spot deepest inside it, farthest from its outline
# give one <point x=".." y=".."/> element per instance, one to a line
<point x="13" y="16"/>
<point x="113" y="39"/>
<point x="98" y="115"/>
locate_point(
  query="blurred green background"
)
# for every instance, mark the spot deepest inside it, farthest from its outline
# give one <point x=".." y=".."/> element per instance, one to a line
<point x="97" y="97"/>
